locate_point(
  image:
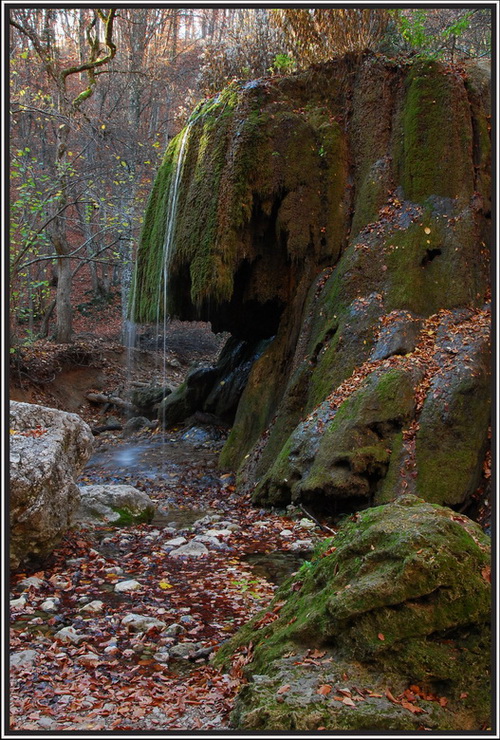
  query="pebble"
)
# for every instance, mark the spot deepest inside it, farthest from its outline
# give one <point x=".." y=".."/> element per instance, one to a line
<point x="301" y="545"/>
<point x="184" y="649"/>
<point x="174" y="629"/>
<point x="23" y="658"/>
<point x="218" y="532"/>
<point x="46" y="723"/>
<point x="127" y="586"/>
<point x="50" y="605"/>
<point x="229" y="525"/>
<point x="69" y="634"/>
<point x="162" y="655"/>
<point x="114" y="569"/>
<point x="286" y="533"/>
<point x="176" y="542"/>
<point x="307" y="524"/>
<point x="90" y="659"/>
<point x="207" y="540"/>
<point x="142" y="623"/>
<point x="32" y="581"/>
<point x="18" y="603"/>
<point x="191" y="550"/>
<point x="187" y="619"/>
<point x="93" y="607"/>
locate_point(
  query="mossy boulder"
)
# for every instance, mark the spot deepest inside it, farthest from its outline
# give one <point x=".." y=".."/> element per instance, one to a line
<point x="342" y="453"/>
<point x="399" y="597"/>
<point x="452" y="438"/>
<point x="114" y="504"/>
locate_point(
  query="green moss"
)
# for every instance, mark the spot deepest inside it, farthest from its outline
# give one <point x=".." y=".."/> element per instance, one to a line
<point x="388" y="488"/>
<point x="127" y="517"/>
<point x="436" y="135"/>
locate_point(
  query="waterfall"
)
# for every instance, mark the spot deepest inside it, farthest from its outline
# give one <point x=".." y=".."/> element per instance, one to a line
<point x="170" y="222"/>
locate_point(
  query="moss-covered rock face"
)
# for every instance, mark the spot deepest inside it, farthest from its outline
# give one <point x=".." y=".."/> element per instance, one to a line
<point x="399" y="597"/>
<point x="343" y="211"/>
<point x="261" y="199"/>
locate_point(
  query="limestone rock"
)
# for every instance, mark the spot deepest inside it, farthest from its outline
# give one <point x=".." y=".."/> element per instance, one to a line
<point x="124" y="587"/>
<point x="191" y="550"/>
<point x="23" y="658"/>
<point x="403" y="599"/>
<point x="70" y="635"/>
<point x="118" y="504"/>
<point x="49" y="449"/>
<point x="141" y="622"/>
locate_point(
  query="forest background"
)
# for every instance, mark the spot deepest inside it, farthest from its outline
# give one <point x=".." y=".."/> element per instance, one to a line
<point x="96" y="95"/>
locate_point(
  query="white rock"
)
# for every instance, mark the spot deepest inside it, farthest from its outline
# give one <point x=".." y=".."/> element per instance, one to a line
<point x="93" y="607"/>
<point x="207" y="540"/>
<point x="176" y="542"/>
<point x="301" y="545"/>
<point x="33" y="582"/>
<point x="286" y="533"/>
<point x="218" y="532"/>
<point x="90" y="659"/>
<point x="127" y="586"/>
<point x="43" y="494"/>
<point x="191" y="550"/>
<point x="307" y="524"/>
<point x="108" y="503"/>
<point x="50" y="604"/>
<point x="232" y="526"/>
<point x="70" y="635"/>
<point x="141" y="622"/>
<point x="162" y="656"/>
<point x="18" y="603"/>
<point x="174" y="629"/>
<point x="23" y="658"/>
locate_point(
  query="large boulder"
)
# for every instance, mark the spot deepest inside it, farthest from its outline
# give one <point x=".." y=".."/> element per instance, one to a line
<point x="48" y="450"/>
<point x="393" y="613"/>
<point x="114" y="504"/>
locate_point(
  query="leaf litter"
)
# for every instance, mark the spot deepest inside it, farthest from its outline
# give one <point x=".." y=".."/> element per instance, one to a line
<point x="110" y="676"/>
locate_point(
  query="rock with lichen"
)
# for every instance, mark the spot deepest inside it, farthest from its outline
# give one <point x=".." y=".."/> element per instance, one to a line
<point x="393" y="613"/>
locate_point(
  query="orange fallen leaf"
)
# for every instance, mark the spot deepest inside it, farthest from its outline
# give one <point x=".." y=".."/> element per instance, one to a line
<point x="486" y="573"/>
<point x="412" y="708"/>
<point x="390" y="696"/>
<point x="443" y="701"/>
<point x="324" y="689"/>
<point x="283" y="689"/>
<point x="348" y="701"/>
<point x="380" y="636"/>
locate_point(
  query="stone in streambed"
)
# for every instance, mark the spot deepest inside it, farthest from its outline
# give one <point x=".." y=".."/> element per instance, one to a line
<point x="141" y="622"/>
<point x="191" y="550"/>
<point x="128" y="586"/>
<point x="114" y="504"/>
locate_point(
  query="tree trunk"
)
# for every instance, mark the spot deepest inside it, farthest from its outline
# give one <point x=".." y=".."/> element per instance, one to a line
<point x="63" y="301"/>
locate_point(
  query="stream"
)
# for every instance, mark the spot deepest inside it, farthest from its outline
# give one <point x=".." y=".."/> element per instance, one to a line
<point x="114" y="672"/>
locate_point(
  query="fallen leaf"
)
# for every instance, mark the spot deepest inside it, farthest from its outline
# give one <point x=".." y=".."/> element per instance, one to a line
<point x="324" y="689"/>
<point x="283" y="689"/>
<point x="412" y="708"/>
<point x="348" y="701"/>
<point x="380" y="636"/>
